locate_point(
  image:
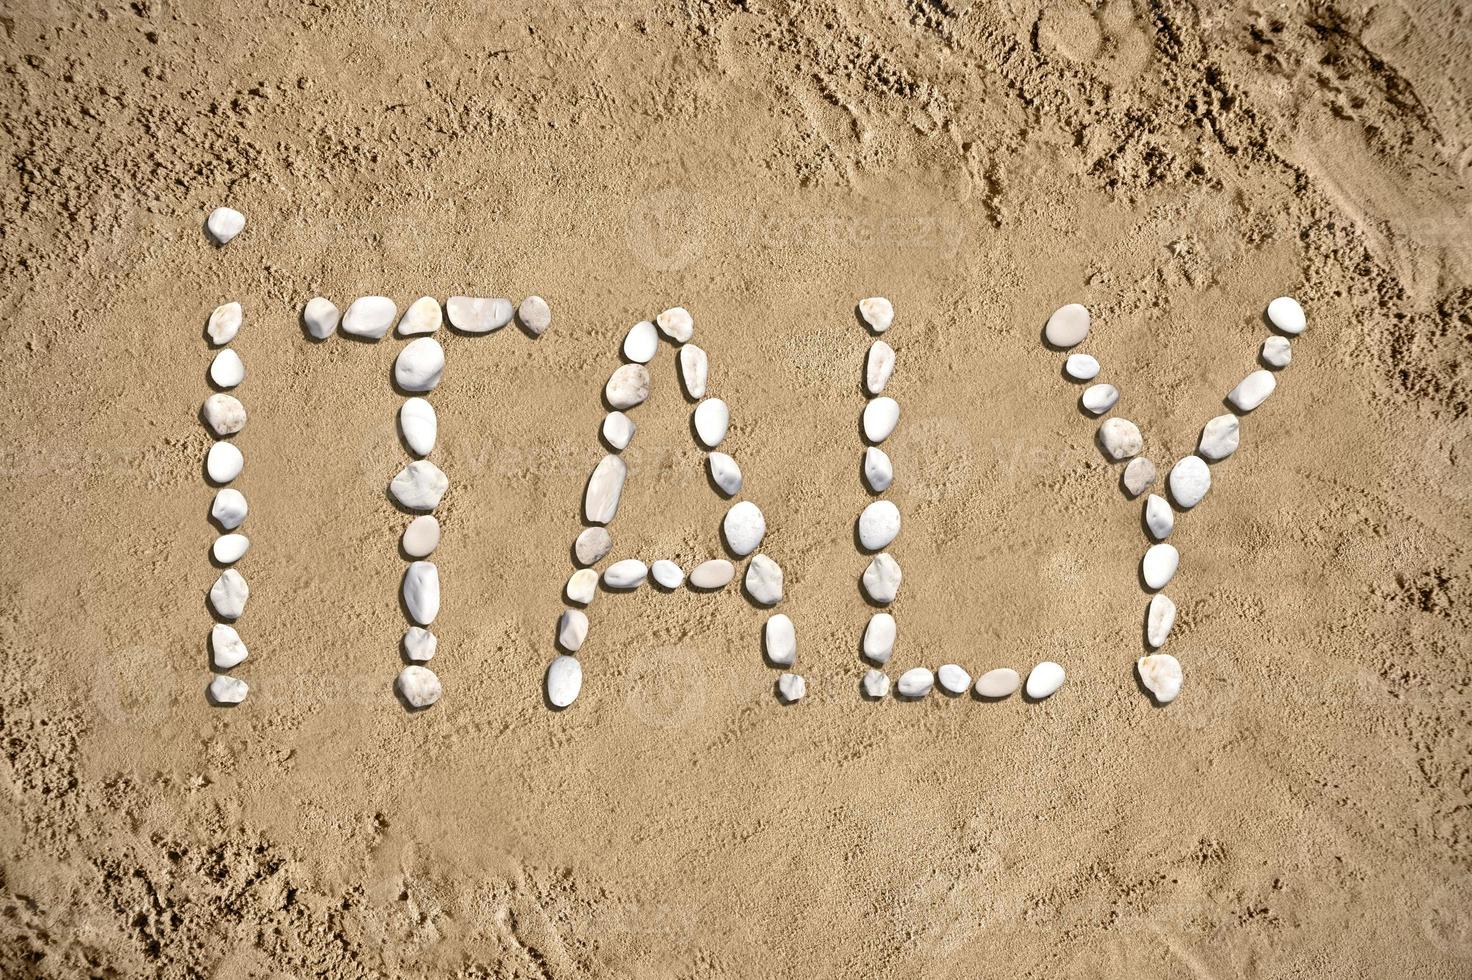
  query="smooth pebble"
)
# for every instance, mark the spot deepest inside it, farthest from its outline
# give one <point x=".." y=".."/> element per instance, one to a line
<point x="878" y="470"/>
<point x="422" y="536"/>
<point x="642" y="342"/>
<point x="877" y="312"/>
<point x="745" y="527"/>
<point x="712" y="418"/>
<point x="224" y="462"/>
<point x="1081" y="367"/>
<point x="226" y="646"/>
<point x="535" y="315"/>
<point x="420" y="645"/>
<point x="605" y="488"/>
<point x="879" y="637"/>
<point x="764" y="580"/>
<point x="628" y="386"/>
<point x="724" y="473"/>
<point x="676" y="323"/>
<point x="876" y="684"/>
<point x="667" y="574"/>
<point x="225" y="689"/>
<point x="572" y="629"/>
<point x="229" y="508"/>
<point x="1068" y="326"/>
<point x="882" y="578"/>
<point x="230" y="548"/>
<point x="879" y="367"/>
<point x="953" y="678"/>
<point x="1159" y="565"/>
<point x="629" y="573"/>
<point x="227" y="369"/>
<point x="229" y="594"/>
<point x="781" y="640"/>
<point x="225" y="323"/>
<point x="1120" y="438"/>
<point x="1285" y="314"/>
<point x="1161" y="675"/>
<point x="1159" y="618"/>
<point x="224" y="414"/>
<point x="1159" y="518"/>
<point x="564" y="680"/>
<point x="370" y="317"/>
<point x="1044" y="679"/>
<point x="1219" y="438"/>
<point x="478" y="314"/>
<point x="224" y="224"/>
<point x="1139" y="476"/>
<point x="419" y="424"/>
<point x="915" y="682"/>
<point x="694" y="370"/>
<point x="1001" y="682"/>
<point x="879" y="524"/>
<point x="419" y="686"/>
<point x="881" y="415"/>
<point x="321" y="316"/>
<point x="1253" y="390"/>
<point x="421" y="591"/>
<point x="1100" y="398"/>
<point x="420" y="485"/>
<point x="592" y="545"/>
<point x="582" y="586"/>
<point x="716" y="573"/>
<point x="618" y="429"/>
<point x="420" y="365"/>
<point x="422" y="316"/>
<point x="1189" y="481"/>
<point x="792" y="686"/>
<point x="1277" y="352"/>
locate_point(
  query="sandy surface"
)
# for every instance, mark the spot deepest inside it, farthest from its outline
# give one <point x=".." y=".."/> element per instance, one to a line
<point x="1302" y="811"/>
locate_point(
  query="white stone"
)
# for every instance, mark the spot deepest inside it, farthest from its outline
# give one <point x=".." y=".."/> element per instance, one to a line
<point x="879" y="367"/>
<point x="882" y="578"/>
<point x="1046" y="678"/>
<point x="605" y="488"/>
<point x="879" y="524"/>
<point x="422" y="591"/>
<point x="724" y="473"/>
<point x="582" y="587"/>
<point x="953" y="678"/>
<point x="618" y="429"/>
<point x="878" y="471"/>
<point x="694" y="370"/>
<point x="628" y="386"/>
<point x="877" y="312"/>
<point x="745" y="527"/>
<point x="1253" y="390"/>
<point x="419" y="686"/>
<point x="229" y="594"/>
<point x="1159" y="565"/>
<point x="224" y="224"/>
<point x="420" y="645"/>
<point x="626" y="574"/>
<point x="1190" y="479"/>
<point x="1159" y="518"/>
<point x="230" y="548"/>
<point x="224" y="414"/>
<point x="564" y="681"/>
<point x="1277" y="352"/>
<point x="370" y="317"/>
<point x="677" y="324"/>
<point x="792" y="686"/>
<point x="1100" y="398"/>
<point x="1219" y="438"/>
<point x="1160" y="617"/>
<point x="1068" y="326"/>
<point x="879" y="638"/>
<point x="1285" y="314"/>
<point x="422" y="536"/>
<point x="592" y="545"/>
<point x="227" y="646"/>
<point x="1120" y="438"/>
<point x="419" y="424"/>
<point x="1080" y="367"/>
<point x="881" y="415"/>
<point x="420" y="485"/>
<point x="535" y="315"/>
<point x="915" y="683"/>
<point x="764" y="580"/>
<point x="572" y="629"/>
<point x="999" y="683"/>
<point x="667" y="574"/>
<point x="642" y="342"/>
<point x="422" y="316"/>
<point x="227" y="369"/>
<point x="477" y="314"/>
<point x="224" y="462"/>
<point x="1161" y="674"/>
<point x="1139" y="476"/>
<point x="321" y="316"/>
<point x="228" y="690"/>
<point x="420" y="365"/>
<point x="715" y="573"/>
<point x="781" y="640"/>
<point x="229" y="508"/>
<point x="876" y="684"/>
<point x="712" y="418"/>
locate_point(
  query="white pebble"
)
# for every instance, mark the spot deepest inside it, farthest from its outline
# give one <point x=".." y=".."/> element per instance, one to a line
<point x="628" y="386"/>
<point x="881" y="415"/>
<point x="1161" y="674"/>
<point x="676" y="323"/>
<point x="572" y="629"/>
<point x="230" y="548"/>
<point x="878" y="471"/>
<point x="1159" y="565"/>
<point x="420" y="485"/>
<point x="1046" y="678"/>
<point x="877" y="312"/>
<point x="605" y="488"/>
<point x="716" y="573"/>
<point x="419" y="424"/>
<point x="227" y="370"/>
<point x="229" y="594"/>
<point x="953" y="678"/>
<point x="422" y="536"/>
<point x="1081" y="367"/>
<point x="1285" y="314"/>
<point x="420" y="365"/>
<point x="1159" y="518"/>
<point x="1253" y="390"/>
<point x="564" y="681"/>
<point x="642" y="343"/>
<point x="419" y="686"/>
<point x="420" y="645"/>
<point x="582" y="587"/>
<point x="592" y="545"/>
<point x="915" y="682"/>
<point x="228" y="690"/>
<point x="882" y="578"/>
<point x="626" y="574"/>
<point x="227" y="647"/>
<point x="694" y="370"/>
<point x="1068" y="326"/>
<point x="1160" y="617"/>
<point x="1139" y="476"/>
<point x="999" y="683"/>
<point x="781" y="640"/>
<point x="879" y="525"/>
<point x="764" y="580"/>
<point x="224" y="224"/>
<point x="618" y="429"/>
<point x="224" y="462"/>
<point x="477" y="314"/>
<point x="667" y="574"/>
<point x="712" y="418"/>
<point x="370" y="317"/>
<point x="422" y="316"/>
<point x="745" y="527"/>
<point x="1190" y="479"/>
<point x="224" y="414"/>
<point x="1120" y="438"/>
<point x="1220" y="438"/>
<point x="321" y="316"/>
<point x="535" y="315"/>
<point x="876" y="684"/>
<point x="422" y="591"/>
<point x="879" y="638"/>
<point x="1277" y="352"/>
<point x="229" y="508"/>
<point x="1100" y="398"/>
<point x="792" y="686"/>
<point x="879" y="367"/>
<point x="724" y="473"/>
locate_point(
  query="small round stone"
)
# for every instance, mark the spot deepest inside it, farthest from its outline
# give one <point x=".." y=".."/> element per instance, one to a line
<point x="780" y="637"/>
<point x="229" y="508"/>
<point x="1190" y="479"/>
<point x="882" y="578"/>
<point x="667" y="574"/>
<point x="592" y="545"/>
<point x="792" y="686"/>
<point x="1139" y="476"/>
<point x="764" y="580"/>
<point x="715" y="573"/>
<point x="1081" y="367"/>
<point x="564" y="681"/>
<point x="226" y="646"/>
<point x="321" y="316"/>
<point x="881" y="416"/>
<point x="224" y="323"/>
<point x="916" y="682"/>
<point x="420" y="644"/>
<point x="1285" y="314"/>
<point x="877" y="312"/>
<point x="744" y="527"/>
<point x="422" y="536"/>
<point x="1277" y="352"/>
<point x="953" y="678"/>
<point x="629" y="573"/>
<point x="227" y="369"/>
<point x="1120" y="438"/>
<point x="676" y="323"/>
<point x="642" y="343"/>
<point x="1068" y="326"/>
<point x="1161" y="675"/>
<point x="419" y="686"/>
<point x="224" y="414"/>
<point x="582" y="586"/>
<point x="879" y="525"/>
<point x="1100" y="398"/>
<point x="999" y="683"/>
<point x="535" y="315"/>
<point x="1159" y="565"/>
<point x="876" y="684"/>
<point x="224" y="462"/>
<point x="228" y="690"/>
<point x="879" y="636"/>
<point x="230" y="548"/>
<point x="420" y="365"/>
<point x="224" y="224"/>
<point x="572" y="629"/>
<point x="1046" y="678"/>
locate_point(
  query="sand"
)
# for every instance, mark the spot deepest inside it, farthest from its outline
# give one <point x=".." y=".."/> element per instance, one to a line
<point x="1301" y="811"/>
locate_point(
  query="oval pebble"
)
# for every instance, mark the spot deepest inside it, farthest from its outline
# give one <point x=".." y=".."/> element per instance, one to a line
<point x="915" y="683"/>
<point x="572" y="630"/>
<point x="744" y="527"/>
<point x="1100" y="398"/>
<point x="1253" y="390"/>
<point x="1001" y="682"/>
<point x="224" y="323"/>
<point x="605" y="489"/>
<point x="1068" y="326"/>
<point x="478" y="314"/>
<point x="321" y="317"/>
<point x="878" y="470"/>
<point x="422" y="592"/>
<point x="227" y="369"/>
<point x="1159" y="565"/>
<point x="629" y="573"/>
<point x="224" y="414"/>
<point x="792" y="687"/>
<point x="628" y="386"/>
<point x="1138" y="477"/>
<point x="1161" y="675"/>
<point x="781" y="640"/>
<point x="1285" y="314"/>
<point x="1081" y="367"/>
<point x="1159" y="518"/>
<point x="715" y="573"/>
<point x="1219" y="438"/>
<point x="641" y="343"/>
<point x="1045" y="679"/>
<point x="724" y="473"/>
<point x="676" y="323"/>
<point x="694" y="370"/>
<point x="419" y="424"/>
<point x="535" y="315"/>
<point x="564" y="681"/>
<point x="1277" y="352"/>
<point x="226" y="647"/>
<point x="422" y="536"/>
<point x="1120" y="438"/>
<point x="228" y="690"/>
<point x="879" y="367"/>
<point x="877" y="312"/>
<point x="879" y="636"/>
<point x="423" y="316"/>
<point x="420" y="485"/>
<point x="712" y="418"/>
<point x="230" y="548"/>
<point x="882" y="578"/>
<point x="419" y="686"/>
<point x="369" y="317"/>
<point x="667" y="574"/>
<point x="881" y="416"/>
<point x="420" y="365"/>
<point x="229" y="594"/>
<point x="879" y="525"/>
<point x="618" y="430"/>
<point x="876" y="684"/>
<point x="420" y="645"/>
<point x="582" y="586"/>
<point x="953" y="678"/>
<point x="592" y="545"/>
<point x="1159" y="619"/>
<point x="1190" y="479"/>
<point x="764" y="580"/>
<point x="223" y="224"/>
<point x="224" y="462"/>
<point x="229" y="508"/>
